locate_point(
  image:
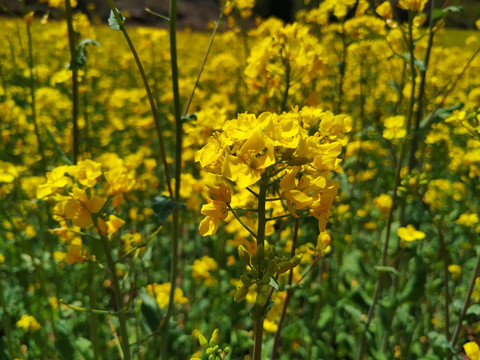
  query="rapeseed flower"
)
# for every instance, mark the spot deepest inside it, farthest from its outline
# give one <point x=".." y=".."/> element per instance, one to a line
<point x="410" y="234"/>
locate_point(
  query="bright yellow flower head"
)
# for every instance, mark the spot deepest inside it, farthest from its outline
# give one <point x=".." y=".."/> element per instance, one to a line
<point x="29" y="323"/>
<point x="472" y="350"/>
<point x="455" y="270"/>
<point x="161" y="293"/>
<point x="413" y="5"/>
<point x="383" y="203"/>
<point x="394" y="127"/>
<point x="410" y="234"/>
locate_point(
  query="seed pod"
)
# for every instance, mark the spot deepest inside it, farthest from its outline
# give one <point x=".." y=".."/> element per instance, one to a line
<point x="284" y="266"/>
<point x="240" y="294"/>
<point x="244" y="255"/>
<point x="296" y="260"/>
<point x="272" y="267"/>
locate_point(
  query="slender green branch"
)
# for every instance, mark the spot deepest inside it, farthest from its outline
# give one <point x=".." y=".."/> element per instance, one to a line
<point x="445" y="265"/>
<point x="88" y="310"/>
<point x="210" y="43"/>
<point x="178" y="171"/>
<point x="276" y="338"/>
<point x="466" y="303"/>
<point x="153" y="107"/>
<point x="258" y="331"/>
<point x="118" y="298"/>
<point x="421" y="94"/>
<point x="32" y="95"/>
<point x="72" y="41"/>
<point x="241" y="221"/>
<point x="93" y="315"/>
<point x="166" y="18"/>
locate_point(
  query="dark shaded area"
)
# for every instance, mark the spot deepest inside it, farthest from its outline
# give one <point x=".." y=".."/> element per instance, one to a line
<point x="196" y="14"/>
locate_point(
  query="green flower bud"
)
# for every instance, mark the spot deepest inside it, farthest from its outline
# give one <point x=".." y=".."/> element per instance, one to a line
<point x="246" y="280"/>
<point x="240" y="294"/>
<point x="215" y="339"/>
<point x="296" y="260"/>
<point x="284" y="266"/>
<point x="244" y="255"/>
<point x="255" y="260"/>
<point x="203" y="341"/>
<point x="209" y="351"/>
<point x="226" y="350"/>
<point x="272" y="267"/>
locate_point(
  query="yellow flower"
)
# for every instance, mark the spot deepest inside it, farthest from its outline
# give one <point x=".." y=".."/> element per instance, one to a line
<point x="383" y="203"/>
<point x="385" y="10"/>
<point x="161" y="293"/>
<point x="74" y="252"/>
<point x="29" y="323"/>
<point x="455" y="270"/>
<point x="110" y="227"/>
<point x="472" y="350"/>
<point x="467" y="219"/>
<point x="413" y="5"/>
<point x="86" y="172"/>
<point x="410" y="234"/>
<point x="56" y="180"/>
<point x="394" y="127"/>
<point x="2" y="259"/>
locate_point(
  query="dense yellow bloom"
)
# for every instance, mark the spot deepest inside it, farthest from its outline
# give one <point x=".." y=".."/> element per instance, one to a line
<point x="86" y="172"/>
<point x="410" y="234"/>
<point x="385" y="10"/>
<point x="29" y="323"/>
<point x="161" y="293"/>
<point x="56" y="180"/>
<point x="468" y="219"/>
<point x="472" y="350"/>
<point x="74" y="253"/>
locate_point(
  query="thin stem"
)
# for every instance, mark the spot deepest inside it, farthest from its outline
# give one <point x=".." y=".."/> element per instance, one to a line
<point x="32" y="95"/>
<point x="421" y="94"/>
<point x="257" y="347"/>
<point x="153" y="107"/>
<point x="93" y="316"/>
<point x="342" y="67"/>
<point x="178" y="171"/>
<point x="466" y="303"/>
<point x="287" y="86"/>
<point x="118" y="298"/>
<point x="241" y="222"/>
<point x="276" y="339"/>
<point x="74" y="67"/>
<point x="445" y="266"/>
<point x="210" y="43"/>
<point x="6" y="324"/>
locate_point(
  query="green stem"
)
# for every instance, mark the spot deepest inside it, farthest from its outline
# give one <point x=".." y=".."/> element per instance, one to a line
<point x="6" y="323"/>
<point x="74" y="67"/>
<point x="178" y="171"/>
<point x="276" y="338"/>
<point x="93" y="316"/>
<point x="118" y="299"/>
<point x="287" y="85"/>
<point x="421" y="94"/>
<point x="342" y="67"/>
<point x="258" y="331"/>
<point x="149" y="95"/>
<point x="32" y="95"/>
<point x="210" y="43"/>
<point x="466" y="303"/>
<point x="4" y="81"/>
<point x="241" y="221"/>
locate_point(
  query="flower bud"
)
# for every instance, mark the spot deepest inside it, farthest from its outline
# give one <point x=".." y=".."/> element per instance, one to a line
<point x="215" y="339"/>
<point x="203" y="341"/>
<point x="244" y="255"/>
<point x="240" y="294"/>
<point x="261" y="299"/>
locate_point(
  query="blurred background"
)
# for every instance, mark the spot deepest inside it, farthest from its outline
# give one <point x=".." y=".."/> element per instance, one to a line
<point x="196" y="14"/>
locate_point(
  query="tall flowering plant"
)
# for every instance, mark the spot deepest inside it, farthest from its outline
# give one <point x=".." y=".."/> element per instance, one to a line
<point x="281" y="158"/>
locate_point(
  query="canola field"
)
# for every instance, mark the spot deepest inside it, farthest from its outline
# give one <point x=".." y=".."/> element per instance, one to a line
<point x="279" y="191"/>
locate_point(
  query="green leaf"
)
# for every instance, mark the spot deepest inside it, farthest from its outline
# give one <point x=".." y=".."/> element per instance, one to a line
<point x="273" y="283"/>
<point x="474" y="310"/>
<point x="441" y="13"/>
<point x="151" y="312"/>
<point x="440" y="114"/>
<point x="82" y="52"/>
<point x="164" y="206"/>
<point x="388" y="269"/>
<point x="57" y="147"/>
<point x="112" y="20"/>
